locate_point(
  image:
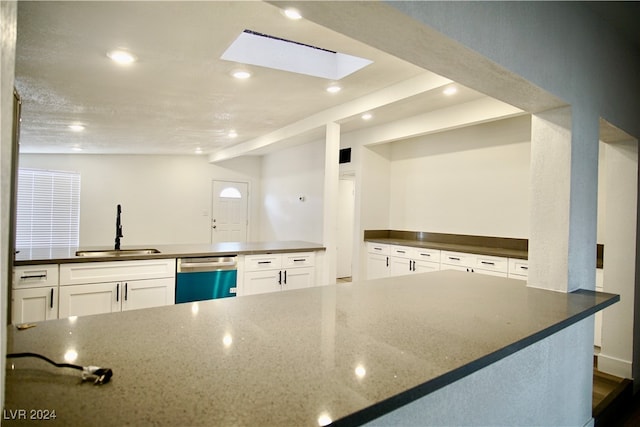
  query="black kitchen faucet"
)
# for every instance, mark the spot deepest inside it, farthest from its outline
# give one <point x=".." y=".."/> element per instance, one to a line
<point x="118" y="228"/>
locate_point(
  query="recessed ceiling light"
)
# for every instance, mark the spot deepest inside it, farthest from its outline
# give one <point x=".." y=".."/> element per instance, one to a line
<point x="241" y="74"/>
<point x="233" y="134"/>
<point x="450" y="90"/>
<point x="121" y="57"/>
<point x="292" y="14"/>
<point x="366" y="116"/>
<point x="76" y="148"/>
<point x="334" y="89"/>
<point x="76" y="128"/>
<point x="198" y="150"/>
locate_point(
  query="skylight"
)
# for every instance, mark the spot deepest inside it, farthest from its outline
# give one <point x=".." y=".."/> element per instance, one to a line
<point x="273" y="52"/>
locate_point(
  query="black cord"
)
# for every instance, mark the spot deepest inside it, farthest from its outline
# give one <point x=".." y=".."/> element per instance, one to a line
<point x="46" y="359"/>
<point x="100" y="375"/>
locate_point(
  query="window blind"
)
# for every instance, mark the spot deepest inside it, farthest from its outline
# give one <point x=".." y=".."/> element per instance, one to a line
<point x="48" y="209"/>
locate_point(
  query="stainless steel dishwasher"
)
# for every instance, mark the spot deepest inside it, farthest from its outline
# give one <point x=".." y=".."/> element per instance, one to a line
<point x="203" y="278"/>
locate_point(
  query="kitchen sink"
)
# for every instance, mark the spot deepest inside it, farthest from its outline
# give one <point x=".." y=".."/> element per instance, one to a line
<point x="118" y="252"/>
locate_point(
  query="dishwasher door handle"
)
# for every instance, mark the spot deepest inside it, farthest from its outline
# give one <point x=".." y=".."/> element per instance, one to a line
<point x="207" y="264"/>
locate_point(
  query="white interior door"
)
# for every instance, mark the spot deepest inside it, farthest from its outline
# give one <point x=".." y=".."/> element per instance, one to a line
<point x="346" y="205"/>
<point x="229" y="217"/>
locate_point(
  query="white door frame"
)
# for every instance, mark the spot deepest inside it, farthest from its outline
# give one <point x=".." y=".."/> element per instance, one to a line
<point x="213" y="213"/>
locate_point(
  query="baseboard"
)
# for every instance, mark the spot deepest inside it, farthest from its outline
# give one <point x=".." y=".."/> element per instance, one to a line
<point x="614" y="366"/>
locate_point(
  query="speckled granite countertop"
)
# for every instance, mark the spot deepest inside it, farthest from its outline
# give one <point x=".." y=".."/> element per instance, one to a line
<point x="67" y="255"/>
<point x="346" y="353"/>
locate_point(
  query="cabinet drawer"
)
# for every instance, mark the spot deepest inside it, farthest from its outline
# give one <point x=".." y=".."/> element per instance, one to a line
<point x="110" y="271"/>
<point x="518" y="267"/>
<point x="262" y="262"/>
<point x="458" y="259"/>
<point x="302" y="259"/>
<point x="35" y="276"/>
<point x="377" y="248"/>
<point x="430" y="255"/>
<point x="492" y="263"/>
<point x="401" y="251"/>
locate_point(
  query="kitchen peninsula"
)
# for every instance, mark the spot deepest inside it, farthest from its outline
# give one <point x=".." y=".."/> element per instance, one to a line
<point x="428" y="348"/>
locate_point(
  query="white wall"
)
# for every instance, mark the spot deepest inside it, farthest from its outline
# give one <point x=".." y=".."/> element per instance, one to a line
<point x="8" y="11"/>
<point x="472" y="180"/>
<point x="165" y="199"/>
<point x="514" y="391"/>
<point x="620" y="180"/>
<point x="288" y="175"/>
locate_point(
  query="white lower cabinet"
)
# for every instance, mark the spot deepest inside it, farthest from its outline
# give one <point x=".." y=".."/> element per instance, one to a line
<point x="474" y="263"/>
<point x="112" y="286"/>
<point x="99" y="298"/>
<point x="34" y="305"/>
<point x="34" y="293"/>
<point x="518" y="268"/>
<point x="378" y="260"/>
<point x="278" y="272"/>
<point x="408" y="260"/>
<point x="83" y="300"/>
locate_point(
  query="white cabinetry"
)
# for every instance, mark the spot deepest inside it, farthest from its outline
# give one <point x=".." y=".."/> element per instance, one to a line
<point x="378" y="262"/>
<point x="106" y="287"/>
<point x="34" y="295"/>
<point x="408" y="260"/>
<point x="518" y="268"/>
<point x="473" y="263"/>
<point x="278" y="272"/>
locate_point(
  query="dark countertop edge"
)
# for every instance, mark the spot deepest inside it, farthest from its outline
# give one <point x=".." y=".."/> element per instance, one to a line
<point x="395" y="402"/>
<point x="162" y="255"/>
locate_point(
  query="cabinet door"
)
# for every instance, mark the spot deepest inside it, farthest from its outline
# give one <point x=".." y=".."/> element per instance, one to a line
<point x="425" y="266"/>
<point x="148" y="293"/>
<point x="298" y="278"/>
<point x="97" y="298"/>
<point x="377" y="266"/>
<point x="260" y="282"/>
<point x="34" y="305"/>
<point x="400" y="266"/>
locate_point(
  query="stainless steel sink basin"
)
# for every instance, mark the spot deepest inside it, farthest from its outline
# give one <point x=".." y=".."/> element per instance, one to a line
<point x="119" y="252"/>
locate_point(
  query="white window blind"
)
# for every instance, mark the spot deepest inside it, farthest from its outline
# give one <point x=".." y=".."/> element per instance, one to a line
<point x="48" y="209"/>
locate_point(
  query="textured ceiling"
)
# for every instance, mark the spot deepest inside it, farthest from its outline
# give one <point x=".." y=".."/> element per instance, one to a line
<point x="178" y="96"/>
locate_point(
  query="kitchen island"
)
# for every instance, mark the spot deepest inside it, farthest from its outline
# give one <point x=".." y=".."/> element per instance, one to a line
<point x="346" y="354"/>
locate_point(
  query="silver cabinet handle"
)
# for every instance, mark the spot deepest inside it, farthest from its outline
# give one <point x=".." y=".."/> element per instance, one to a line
<point x="209" y="264"/>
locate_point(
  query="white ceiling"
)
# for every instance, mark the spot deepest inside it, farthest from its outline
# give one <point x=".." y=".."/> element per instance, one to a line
<point x="179" y="96"/>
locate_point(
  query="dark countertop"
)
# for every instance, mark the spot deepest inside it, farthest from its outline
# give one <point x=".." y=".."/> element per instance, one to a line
<point x="68" y="255"/>
<point x="346" y="353"/>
